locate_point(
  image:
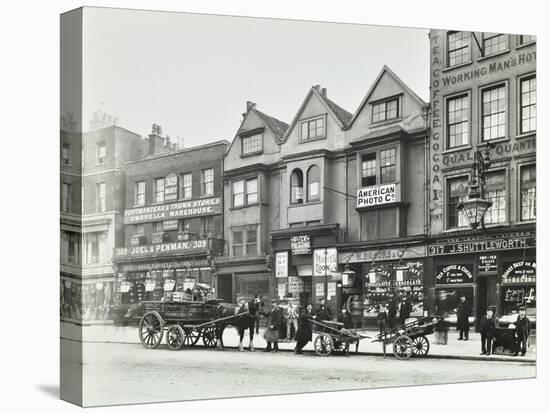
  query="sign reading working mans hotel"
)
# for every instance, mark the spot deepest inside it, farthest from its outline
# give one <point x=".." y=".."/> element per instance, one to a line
<point x="375" y="195"/>
<point x="183" y="209"/>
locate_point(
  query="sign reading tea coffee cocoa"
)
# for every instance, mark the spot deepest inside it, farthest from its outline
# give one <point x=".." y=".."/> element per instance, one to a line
<point x="454" y="274"/>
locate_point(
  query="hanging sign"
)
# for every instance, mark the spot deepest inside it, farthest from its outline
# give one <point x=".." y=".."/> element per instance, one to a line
<point x="300" y="244"/>
<point x="325" y="261"/>
<point x="281" y="264"/>
<point x="454" y="274"/>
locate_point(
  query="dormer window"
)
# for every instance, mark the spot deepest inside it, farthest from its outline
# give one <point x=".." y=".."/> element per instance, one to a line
<point x="313" y="128"/>
<point x="252" y="144"/>
<point x="385" y="110"/>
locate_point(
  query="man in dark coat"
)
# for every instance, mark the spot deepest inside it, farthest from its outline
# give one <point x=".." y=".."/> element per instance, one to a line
<point x="487" y="329"/>
<point x="274" y="320"/>
<point x="323" y="311"/>
<point x="392" y="311"/>
<point x="345" y="318"/>
<point x="463" y="312"/>
<point x="304" y="333"/>
<point x="259" y="305"/>
<point x="405" y="309"/>
<point x="521" y="333"/>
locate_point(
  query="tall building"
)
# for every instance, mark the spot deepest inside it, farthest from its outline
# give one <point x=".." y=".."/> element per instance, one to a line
<point x="172" y="222"/>
<point x="251" y="181"/>
<point x="483" y="97"/>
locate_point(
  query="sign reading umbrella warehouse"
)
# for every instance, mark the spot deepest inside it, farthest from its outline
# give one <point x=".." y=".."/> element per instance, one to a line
<point x="182" y="209"/>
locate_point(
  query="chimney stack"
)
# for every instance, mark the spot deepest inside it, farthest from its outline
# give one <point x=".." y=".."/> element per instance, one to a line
<point x="324" y="92"/>
<point x="250" y="105"/>
<point x="317" y="88"/>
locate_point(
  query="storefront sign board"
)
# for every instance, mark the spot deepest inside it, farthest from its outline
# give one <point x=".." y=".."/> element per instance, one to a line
<point x="182" y="247"/>
<point x="476" y="244"/>
<point x="454" y="274"/>
<point x="184" y="209"/>
<point x="376" y="195"/>
<point x="300" y="244"/>
<point x="170" y="225"/>
<point x="295" y="284"/>
<point x="519" y="271"/>
<point x="487" y="263"/>
<point x="281" y="264"/>
<point x="382" y="254"/>
<point x="325" y="261"/>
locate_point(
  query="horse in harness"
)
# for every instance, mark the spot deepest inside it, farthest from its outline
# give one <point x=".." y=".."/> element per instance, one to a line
<point x="245" y="318"/>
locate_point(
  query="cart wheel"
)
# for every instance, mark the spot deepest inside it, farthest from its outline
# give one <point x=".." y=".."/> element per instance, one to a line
<point x="402" y="347"/>
<point x="323" y="345"/>
<point x="174" y="337"/>
<point x="340" y="346"/>
<point x="421" y="346"/>
<point x="209" y="337"/>
<point x="151" y="330"/>
<point x="190" y="336"/>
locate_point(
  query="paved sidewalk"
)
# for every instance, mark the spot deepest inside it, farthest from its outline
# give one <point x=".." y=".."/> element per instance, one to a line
<point x="454" y="349"/>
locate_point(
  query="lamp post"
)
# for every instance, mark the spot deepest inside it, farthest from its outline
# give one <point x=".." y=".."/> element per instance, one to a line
<point x="475" y="207"/>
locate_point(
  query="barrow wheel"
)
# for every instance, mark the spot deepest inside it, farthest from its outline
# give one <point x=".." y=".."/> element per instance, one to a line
<point x="190" y="336"/>
<point x="174" y="337"/>
<point x="403" y="347"/>
<point x="421" y="346"/>
<point x="151" y="329"/>
<point x="209" y="337"/>
<point x="323" y="345"/>
<point x="341" y="346"/>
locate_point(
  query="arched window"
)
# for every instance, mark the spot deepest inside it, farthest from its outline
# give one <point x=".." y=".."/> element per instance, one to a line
<point x="313" y="183"/>
<point x="297" y="187"/>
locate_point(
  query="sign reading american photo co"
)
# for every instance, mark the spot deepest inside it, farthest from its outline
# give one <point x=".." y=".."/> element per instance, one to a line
<point x="376" y="195"/>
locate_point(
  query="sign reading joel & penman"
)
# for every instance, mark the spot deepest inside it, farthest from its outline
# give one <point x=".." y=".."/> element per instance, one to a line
<point x="189" y="246"/>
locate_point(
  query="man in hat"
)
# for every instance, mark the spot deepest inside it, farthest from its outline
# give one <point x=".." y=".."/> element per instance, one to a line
<point x="487" y="329"/>
<point x="274" y="319"/>
<point x="521" y="332"/>
<point x="323" y="311"/>
<point x="463" y="312"/>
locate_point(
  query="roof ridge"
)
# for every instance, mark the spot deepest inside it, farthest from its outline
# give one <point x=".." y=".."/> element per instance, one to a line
<point x="277" y="126"/>
<point x="343" y="115"/>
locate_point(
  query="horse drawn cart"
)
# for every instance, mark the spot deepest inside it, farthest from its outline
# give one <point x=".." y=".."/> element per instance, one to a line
<point x="332" y="337"/>
<point x="409" y="339"/>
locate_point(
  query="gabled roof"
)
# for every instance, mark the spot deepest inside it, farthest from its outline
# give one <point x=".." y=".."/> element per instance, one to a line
<point x="385" y="70"/>
<point x="278" y="128"/>
<point x="340" y="114"/>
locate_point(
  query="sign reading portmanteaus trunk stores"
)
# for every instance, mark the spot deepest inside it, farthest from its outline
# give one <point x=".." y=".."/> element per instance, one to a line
<point x="183" y="209"/>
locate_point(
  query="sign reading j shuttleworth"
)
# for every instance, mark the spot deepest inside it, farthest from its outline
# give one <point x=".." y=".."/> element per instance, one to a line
<point x="376" y="195"/>
<point x="181" y="209"/>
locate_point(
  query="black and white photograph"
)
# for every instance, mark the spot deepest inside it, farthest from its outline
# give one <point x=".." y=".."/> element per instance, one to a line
<point x="220" y="206"/>
<point x="270" y="211"/>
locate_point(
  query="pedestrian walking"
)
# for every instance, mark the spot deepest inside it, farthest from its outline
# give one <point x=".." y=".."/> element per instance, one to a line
<point x="323" y="311"/>
<point x="291" y="316"/>
<point x="521" y="333"/>
<point x="392" y="311"/>
<point x="487" y="330"/>
<point x="304" y="333"/>
<point x="274" y="319"/>
<point x="382" y="318"/>
<point x="463" y="312"/>
<point x="405" y="309"/>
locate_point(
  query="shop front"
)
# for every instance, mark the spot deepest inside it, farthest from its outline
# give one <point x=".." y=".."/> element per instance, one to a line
<point x="496" y="269"/>
<point x="306" y="265"/>
<point x="381" y="274"/>
<point x="241" y="278"/>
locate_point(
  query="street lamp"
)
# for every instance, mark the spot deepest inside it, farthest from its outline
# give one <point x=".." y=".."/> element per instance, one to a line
<point x="475" y="207"/>
<point x="348" y="276"/>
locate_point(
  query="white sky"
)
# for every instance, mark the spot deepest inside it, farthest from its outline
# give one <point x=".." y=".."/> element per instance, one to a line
<point x="193" y="74"/>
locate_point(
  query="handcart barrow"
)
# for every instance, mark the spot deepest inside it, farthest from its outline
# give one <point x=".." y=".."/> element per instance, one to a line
<point x="333" y="337"/>
<point x="409" y="339"/>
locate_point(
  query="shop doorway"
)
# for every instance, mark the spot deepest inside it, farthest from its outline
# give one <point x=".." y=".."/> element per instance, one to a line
<point x="225" y="288"/>
<point x="486" y="292"/>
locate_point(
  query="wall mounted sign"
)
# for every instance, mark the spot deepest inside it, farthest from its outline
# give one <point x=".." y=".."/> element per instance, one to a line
<point x="382" y="254"/>
<point x="184" y="209"/>
<point x="281" y="290"/>
<point x="281" y="264"/>
<point x="319" y="289"/>
<point x="180" y="247"/>
<point x="376" y="195"/>
<point x="325" y="261"/>
<point x="477" y="244"/>
<point x="454" y="274"/>
<point x="295" y="284"/>
<point x="171" y="187"/>
<point x="519" y="271"/>
<point x="300" y="244"/>
<point x="169" y="225"/>
<point x="487" y="263"/>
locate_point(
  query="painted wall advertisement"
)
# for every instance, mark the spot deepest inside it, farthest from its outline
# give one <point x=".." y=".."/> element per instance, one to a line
<point x="172" y="211"/>
<point x="376" y="195"/>
<point x="325" y="261"/>
<point x="171" y="187"/>
<point x="281" y="264"/>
